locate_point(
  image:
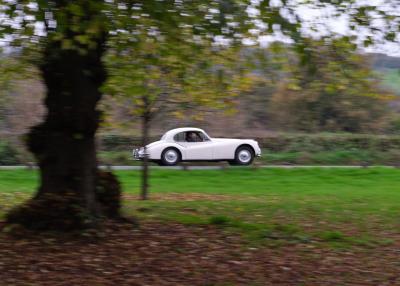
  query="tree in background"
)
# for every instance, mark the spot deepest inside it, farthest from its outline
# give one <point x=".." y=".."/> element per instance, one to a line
<point x="157" y="78"/>
<point x="69" y="45"/>
<point x="10" y="71"/>
<point x="270" y="66"/>
<point x="341" y="94"/>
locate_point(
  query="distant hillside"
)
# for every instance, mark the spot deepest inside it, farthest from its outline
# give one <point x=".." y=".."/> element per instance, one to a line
<point x="382" y="61"/>
<point x="389" y="68"/>
<point x="391" y="79"/>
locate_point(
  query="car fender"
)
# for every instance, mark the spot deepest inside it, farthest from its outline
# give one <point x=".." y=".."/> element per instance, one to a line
<point x="253" y="144"/>
<point x="226" y="148"/>
<point x="156" y="150"/>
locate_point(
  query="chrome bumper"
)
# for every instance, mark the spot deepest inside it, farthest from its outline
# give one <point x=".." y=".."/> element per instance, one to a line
<point x="137" y="155"/>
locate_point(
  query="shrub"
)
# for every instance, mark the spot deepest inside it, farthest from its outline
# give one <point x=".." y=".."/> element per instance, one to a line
<point x="328" y="142"/>
<point x="284" y="142"/>
<point x="108" y="191"/>
<point x="8" y="154"/>
<point x="116" y="142"/>
<point x="284" y="148"/>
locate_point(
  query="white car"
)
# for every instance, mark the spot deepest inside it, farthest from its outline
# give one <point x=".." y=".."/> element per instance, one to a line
<point x="193" y="144"/>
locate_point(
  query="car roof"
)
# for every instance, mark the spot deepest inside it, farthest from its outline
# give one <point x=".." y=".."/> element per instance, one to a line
<point x="168" y="136"/>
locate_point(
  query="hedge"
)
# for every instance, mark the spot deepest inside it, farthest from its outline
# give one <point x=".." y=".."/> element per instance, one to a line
<point x="282" y="148"/>
<point x="284" y="142"/>
<point x="8" y="154"/>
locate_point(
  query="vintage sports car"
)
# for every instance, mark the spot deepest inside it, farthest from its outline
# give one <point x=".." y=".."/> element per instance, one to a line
<point x="193" y="144"/>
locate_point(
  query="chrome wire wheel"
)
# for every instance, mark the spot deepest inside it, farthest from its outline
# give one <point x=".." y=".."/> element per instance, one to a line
<point x="170" y="157"/>
<point x="244" y="156"/>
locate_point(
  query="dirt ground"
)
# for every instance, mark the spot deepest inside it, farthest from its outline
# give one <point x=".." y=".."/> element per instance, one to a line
<point x="175" y="254"/>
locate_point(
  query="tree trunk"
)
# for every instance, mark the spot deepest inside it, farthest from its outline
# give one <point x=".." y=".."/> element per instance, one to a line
<point x="64" y="144"/>
<point x="145" y="165"/>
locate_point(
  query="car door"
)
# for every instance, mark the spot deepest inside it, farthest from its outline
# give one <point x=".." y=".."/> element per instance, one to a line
<point x="200" y="150"/>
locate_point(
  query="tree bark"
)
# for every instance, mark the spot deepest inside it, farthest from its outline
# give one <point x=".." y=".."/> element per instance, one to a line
<point x="145" y="165"/>
<point x="64" y="144"/>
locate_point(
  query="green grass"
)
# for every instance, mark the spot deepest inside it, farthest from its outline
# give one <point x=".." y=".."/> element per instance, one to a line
<point x="335" y="206"/>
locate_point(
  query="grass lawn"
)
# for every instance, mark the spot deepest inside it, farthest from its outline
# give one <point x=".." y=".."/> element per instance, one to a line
<point x="222" y="227"/>
<point x="339" y="207"/>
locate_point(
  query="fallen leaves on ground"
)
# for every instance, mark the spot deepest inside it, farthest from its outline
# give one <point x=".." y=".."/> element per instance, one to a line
<point x="175" y="254"/>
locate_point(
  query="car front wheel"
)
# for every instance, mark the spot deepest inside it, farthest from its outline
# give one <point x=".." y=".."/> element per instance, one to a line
<point x="170" y="157"/>
<point x="244" y="156"/>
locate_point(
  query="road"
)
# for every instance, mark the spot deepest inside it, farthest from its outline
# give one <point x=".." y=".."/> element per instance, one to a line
<point x="211" y="167"/>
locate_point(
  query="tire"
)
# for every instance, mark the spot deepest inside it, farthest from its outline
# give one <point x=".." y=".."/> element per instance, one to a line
<point x="170" y="157"/>
<point x="244" y="156"/>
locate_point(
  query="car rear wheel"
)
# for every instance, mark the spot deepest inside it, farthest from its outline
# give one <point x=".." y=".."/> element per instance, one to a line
<point x="244" y="156"/>
<point x="170" y="157"/>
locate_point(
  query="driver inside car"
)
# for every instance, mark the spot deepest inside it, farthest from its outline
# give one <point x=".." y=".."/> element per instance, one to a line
<point x="192" y="137"/>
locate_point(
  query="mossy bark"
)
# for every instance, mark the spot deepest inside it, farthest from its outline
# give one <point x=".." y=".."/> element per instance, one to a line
<point x="64" y="144"/>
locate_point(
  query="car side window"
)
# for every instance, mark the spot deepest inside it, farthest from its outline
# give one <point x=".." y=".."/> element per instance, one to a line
<point x="191" y="136"/>
<point x="180" y="137"/>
